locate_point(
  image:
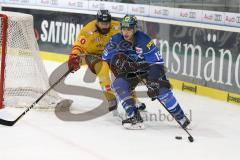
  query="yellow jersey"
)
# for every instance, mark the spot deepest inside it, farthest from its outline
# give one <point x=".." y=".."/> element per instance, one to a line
<point x="90" y="41"/>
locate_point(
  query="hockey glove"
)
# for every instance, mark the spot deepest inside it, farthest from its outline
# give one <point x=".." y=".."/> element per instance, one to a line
<point x="121" y="64"/>
<point x="74" y="62"/>
<point x="153" y="88"/>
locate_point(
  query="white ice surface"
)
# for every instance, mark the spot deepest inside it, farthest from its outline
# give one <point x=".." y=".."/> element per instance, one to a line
<point x="42" y="136"/>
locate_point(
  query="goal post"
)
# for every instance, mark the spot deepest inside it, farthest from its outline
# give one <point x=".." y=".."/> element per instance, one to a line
<point x="3" y="42"/>
<point x="23" y="77"/>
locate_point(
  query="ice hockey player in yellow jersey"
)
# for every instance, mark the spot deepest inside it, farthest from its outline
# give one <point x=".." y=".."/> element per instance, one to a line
<point x="91" y="42"/>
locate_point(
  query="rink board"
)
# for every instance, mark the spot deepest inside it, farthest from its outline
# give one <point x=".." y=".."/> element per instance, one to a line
<point x="201" y="60"/>
<point x="177" y="84"/>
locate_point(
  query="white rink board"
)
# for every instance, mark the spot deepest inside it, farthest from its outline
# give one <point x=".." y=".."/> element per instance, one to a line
<point x="224" y="19"/>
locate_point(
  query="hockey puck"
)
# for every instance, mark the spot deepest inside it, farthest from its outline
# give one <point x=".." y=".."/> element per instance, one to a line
<point x="178" y="137"/>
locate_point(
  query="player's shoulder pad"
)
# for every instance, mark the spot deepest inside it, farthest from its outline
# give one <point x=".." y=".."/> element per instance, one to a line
<point x="143" y="37"/>
<point x="117" y="37"/>
<point x="90" y="27"/>
<point x="144" y="40"/>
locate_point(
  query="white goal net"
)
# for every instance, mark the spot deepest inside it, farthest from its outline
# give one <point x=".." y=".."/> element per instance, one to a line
<point x="23" y="76"/>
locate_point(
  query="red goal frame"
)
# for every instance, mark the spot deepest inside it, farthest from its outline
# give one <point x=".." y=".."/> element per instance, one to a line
<point x="4" y="21"/>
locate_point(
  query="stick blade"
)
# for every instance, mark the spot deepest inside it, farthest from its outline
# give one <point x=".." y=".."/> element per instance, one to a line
<point x="6" y="122"/>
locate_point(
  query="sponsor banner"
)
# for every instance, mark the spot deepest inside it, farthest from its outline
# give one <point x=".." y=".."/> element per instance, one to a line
<point x="187" y="14"/>
<point x="117" y="7"/>
<point x="30" y="2"/>
<point x="75" y="4"/>
<point x="201" y="56"/>
<point x="233" y="99"/>
<point x="48" y="3"/>
<point x="96" y="5"/>
<point x="213" y="17"/>
<point x="56" y="31"/>
<point x="189" y="88"/>
<point x="232" y="19"/>
<point x="203" y="16"/>
<point x="162" y="12"/>
<point x="138" y="9"/>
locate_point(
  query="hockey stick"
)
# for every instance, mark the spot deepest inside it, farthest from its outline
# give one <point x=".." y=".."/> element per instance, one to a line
<point x="11" y="123"/>
<point x="190" y="137"/>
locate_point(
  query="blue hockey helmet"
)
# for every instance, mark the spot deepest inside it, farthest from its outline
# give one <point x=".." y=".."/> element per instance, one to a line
<point x="129" y="21"/>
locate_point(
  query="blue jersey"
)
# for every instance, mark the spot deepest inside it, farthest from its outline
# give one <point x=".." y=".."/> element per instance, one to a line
<point x="143" y="49"/>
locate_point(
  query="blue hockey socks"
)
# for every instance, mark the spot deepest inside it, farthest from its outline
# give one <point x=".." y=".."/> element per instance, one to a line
<point x="122" y="88"/>
<point x="169" y="101"/>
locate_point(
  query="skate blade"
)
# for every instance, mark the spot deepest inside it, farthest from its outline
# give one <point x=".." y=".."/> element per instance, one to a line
<point x="137" y="126"/>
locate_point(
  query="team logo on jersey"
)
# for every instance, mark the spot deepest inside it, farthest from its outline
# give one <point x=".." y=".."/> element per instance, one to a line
<point x="138" y="50"/>
<point x="97" y="39"/>
<point x="149" y="45"/>
<point x="105" y="53"/>
<point x="107" y="88"/>
<point x="83" y="40"/>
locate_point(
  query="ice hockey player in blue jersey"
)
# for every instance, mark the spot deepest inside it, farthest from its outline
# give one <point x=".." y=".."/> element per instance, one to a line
<point x="134" y="58"/>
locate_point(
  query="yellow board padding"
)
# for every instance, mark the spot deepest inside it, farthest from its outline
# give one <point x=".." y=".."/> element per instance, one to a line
<point x="176" y="84"/>
<point x="56" y="57"/>
<point x="53" y="56"/>
<point x="206" y="91"/>
<point x="200" y="90"/>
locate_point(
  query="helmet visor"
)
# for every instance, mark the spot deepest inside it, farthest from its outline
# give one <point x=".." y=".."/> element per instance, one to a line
<point x="126" y="25"/>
